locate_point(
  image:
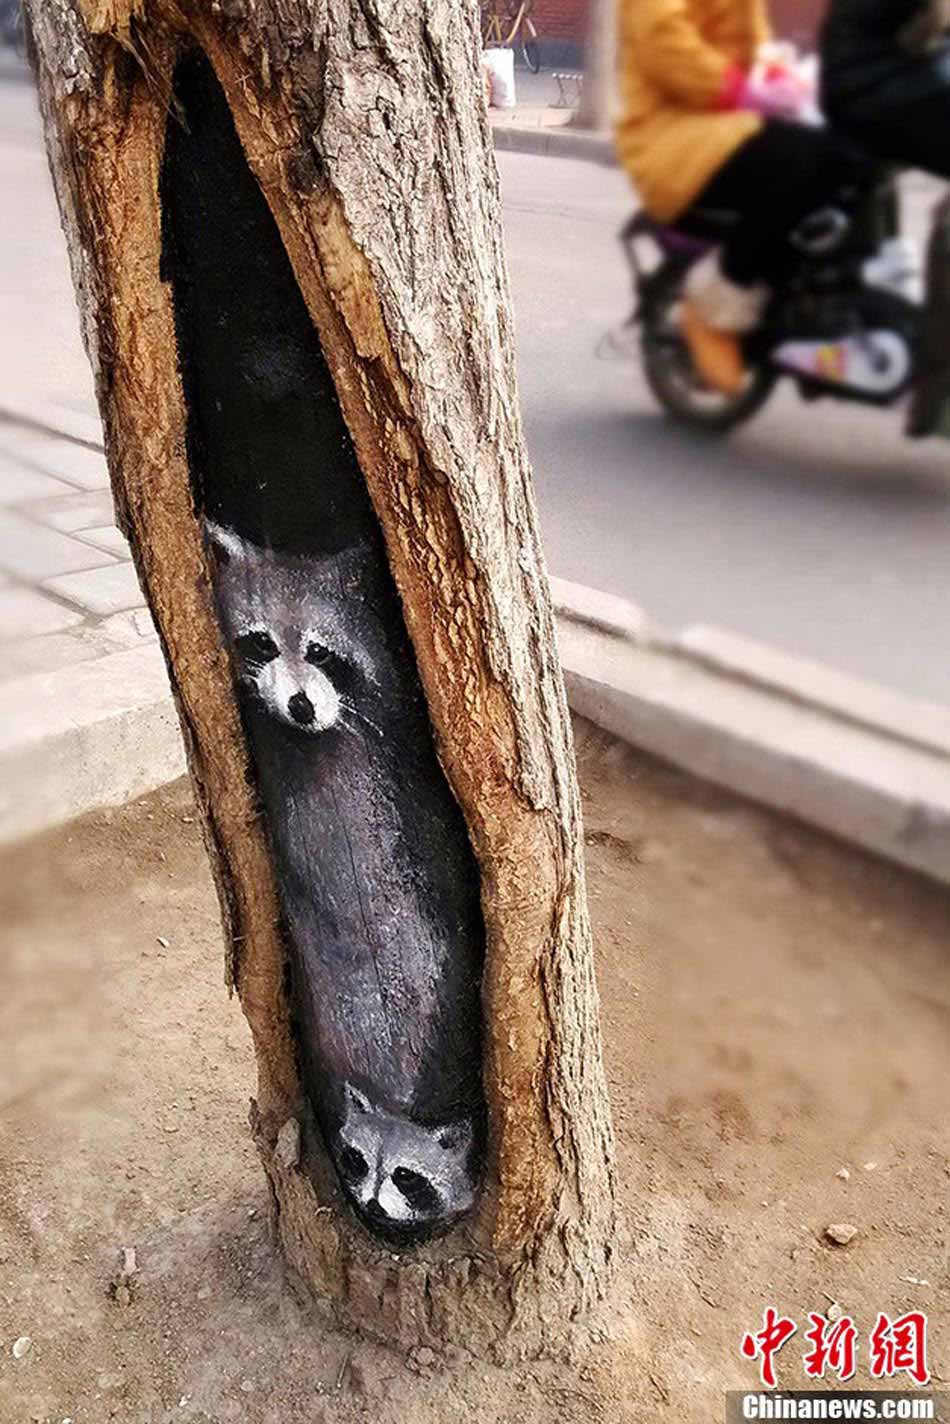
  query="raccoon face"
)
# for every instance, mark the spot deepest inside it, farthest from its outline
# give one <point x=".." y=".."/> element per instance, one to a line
<point x="287" y="634"/>
<point x="406" y="1180"/>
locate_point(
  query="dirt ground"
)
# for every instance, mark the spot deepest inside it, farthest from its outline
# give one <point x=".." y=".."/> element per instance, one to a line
<point x="776" y="1008"/>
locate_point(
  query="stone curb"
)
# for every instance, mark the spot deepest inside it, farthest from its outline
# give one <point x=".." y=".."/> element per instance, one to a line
<point x="88" y="736"/>
<point x="874" y="771"/>
<point x="560" y="141"/>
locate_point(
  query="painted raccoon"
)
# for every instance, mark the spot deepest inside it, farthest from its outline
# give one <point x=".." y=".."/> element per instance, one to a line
<point x="378" y="884"/>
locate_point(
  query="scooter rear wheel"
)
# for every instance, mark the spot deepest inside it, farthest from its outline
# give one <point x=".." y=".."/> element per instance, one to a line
<point x="678" y="386"/>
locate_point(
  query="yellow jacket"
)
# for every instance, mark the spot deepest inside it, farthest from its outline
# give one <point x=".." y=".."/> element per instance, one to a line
<point x="676" y="58"/>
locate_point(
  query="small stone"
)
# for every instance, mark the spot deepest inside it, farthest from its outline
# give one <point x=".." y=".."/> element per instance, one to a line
<point x="833" y="1312"/>
<point x="844" y="1174"/>
<point x="163" y="941"/>
<point x="841" y="1233"/>
<point x="247" y="1386"/>
<point x="424" y="1357"/>
<point x="22" y="1347"/>
<point x="870" y="1166"/>
<point x="123" y="1296"/>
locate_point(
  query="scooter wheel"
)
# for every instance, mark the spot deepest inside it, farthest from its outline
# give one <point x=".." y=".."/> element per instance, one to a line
<point x="678" y="386"/>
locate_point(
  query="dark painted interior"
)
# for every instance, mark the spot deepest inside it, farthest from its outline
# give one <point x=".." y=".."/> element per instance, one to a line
<point x="380" y="889"/>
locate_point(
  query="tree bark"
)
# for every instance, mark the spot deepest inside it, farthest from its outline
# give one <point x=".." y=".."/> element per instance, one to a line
<point x="362" y="124"/>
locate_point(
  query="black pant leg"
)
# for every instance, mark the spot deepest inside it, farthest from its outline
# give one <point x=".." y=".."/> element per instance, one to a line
<point x="775" y="179"/>
<point x="915" y="134"/>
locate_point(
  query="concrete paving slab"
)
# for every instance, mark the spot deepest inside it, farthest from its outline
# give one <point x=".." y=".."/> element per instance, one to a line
<point x="56" y="651"/>
<point x="82" y="642"/>
<point x="35" y="553"/>
<point x="75" y="465"/>
<point x="24" y="609"/>
<point x="101" y="591"/>
<point x="89" y="510"/>
<point x="67" y="421"/>
<point x="107" y="537"/>
<point x="20" y="484"/>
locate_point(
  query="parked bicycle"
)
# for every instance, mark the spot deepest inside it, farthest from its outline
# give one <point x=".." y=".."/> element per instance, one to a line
<point x="510" y="26"/>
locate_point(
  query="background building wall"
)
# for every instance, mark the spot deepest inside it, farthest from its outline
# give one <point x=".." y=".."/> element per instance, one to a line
<point x="563" y="25"/>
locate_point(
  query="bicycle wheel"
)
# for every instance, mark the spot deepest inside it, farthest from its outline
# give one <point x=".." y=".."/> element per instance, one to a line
<point x="531" y="47"/>
<point x="531" y="54"/>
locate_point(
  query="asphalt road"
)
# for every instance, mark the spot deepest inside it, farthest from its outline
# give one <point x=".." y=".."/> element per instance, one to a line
<point x="816" y="529"/>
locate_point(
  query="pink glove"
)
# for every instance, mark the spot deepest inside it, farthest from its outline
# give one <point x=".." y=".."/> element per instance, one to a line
<point x="774" y="93"/>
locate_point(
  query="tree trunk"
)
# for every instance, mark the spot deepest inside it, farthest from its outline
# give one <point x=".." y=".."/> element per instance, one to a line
<point x="596" y="108"/>
<point x="361" y="123"/>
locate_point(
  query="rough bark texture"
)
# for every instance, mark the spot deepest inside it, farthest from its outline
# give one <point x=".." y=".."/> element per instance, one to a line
<point x="362" y="122"/>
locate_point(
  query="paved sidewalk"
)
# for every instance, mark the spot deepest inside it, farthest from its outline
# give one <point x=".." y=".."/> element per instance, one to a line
<point x="541" y="121"/>
<point x="539" y="102"/>
<point x="68" y="590"/>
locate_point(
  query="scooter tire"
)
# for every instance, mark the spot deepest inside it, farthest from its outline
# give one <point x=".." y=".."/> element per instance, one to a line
<point x="678" y="388"/>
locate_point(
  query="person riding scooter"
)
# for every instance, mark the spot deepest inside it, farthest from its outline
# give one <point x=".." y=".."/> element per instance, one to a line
<point x="886" y="82"/>
<point x="885" y="78"/>
<point x="704" y="127"/>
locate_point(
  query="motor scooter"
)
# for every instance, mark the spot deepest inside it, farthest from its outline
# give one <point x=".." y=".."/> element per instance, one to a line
<point x="847" y="324"/>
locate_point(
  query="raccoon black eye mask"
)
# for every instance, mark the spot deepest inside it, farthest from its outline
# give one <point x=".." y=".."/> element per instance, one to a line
<point x="379" y="888"/>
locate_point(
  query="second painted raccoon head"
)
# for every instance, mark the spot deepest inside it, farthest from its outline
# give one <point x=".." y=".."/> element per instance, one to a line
<point x="294" y="636"/>
<point x="407" y="1180"/>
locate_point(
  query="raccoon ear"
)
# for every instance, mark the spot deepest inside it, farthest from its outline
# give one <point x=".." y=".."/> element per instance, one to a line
<point x="355" y="1099"/>
<point x="225" y="544"/>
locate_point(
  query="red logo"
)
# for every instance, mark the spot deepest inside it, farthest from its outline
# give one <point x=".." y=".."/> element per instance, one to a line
<point x="900" y="1347"/>
<point x="894" y="1346"/>
<point x="834" y="1347"/>
<point x="765" y="1344"/>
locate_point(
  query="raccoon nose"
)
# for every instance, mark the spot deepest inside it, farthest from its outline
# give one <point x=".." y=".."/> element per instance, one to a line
<point x="301" y="708"/>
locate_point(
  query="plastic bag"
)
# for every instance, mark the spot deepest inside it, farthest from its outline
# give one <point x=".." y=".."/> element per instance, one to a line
<point x="500" y="64"/>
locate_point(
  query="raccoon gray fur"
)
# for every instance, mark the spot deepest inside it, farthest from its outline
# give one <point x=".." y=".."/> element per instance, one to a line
<point x="379" y="888"/>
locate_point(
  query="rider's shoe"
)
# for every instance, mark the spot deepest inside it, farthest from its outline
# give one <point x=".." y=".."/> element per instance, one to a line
<point x="716" y="355"/>
<point x="715" y="313"/>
